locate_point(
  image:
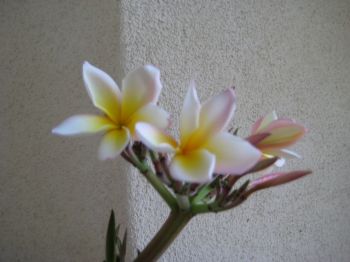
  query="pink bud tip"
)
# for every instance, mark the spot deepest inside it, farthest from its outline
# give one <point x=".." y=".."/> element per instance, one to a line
<point x="275" y="179"/>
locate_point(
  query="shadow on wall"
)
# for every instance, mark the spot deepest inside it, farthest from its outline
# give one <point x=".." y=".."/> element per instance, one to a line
<point x="55" y="195"/>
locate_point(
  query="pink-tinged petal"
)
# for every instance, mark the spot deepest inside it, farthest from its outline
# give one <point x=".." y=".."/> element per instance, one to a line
<point x="257" y="138"/>
<point x="102" y="90"/>
<point x="264" y="122"/>
<point x="151" y="114"/>
<point x="83" y="124"/>
<point x="275" y="179"/>
<point x="283" y="134"/>
<point x="217" y="112"/>
<point x="196" y="166"/>
<point x="113" y="143"/>
<point x="234" y="155"/>
<point x="190" y="114"/>
<point x="284" y="153"/>
<point x="140" y="87"/>
<point x="283" y="123"/>
<point x="154" y="138"/>
<point x="214" y="116"/>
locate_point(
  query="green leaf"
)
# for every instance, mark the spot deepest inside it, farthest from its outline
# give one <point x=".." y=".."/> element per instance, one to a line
<point x="111" y="240"/>
<point x="233" y="194"/>
<point x="117" y="230"/>
<point x="117" y="240"/>
<point x="237" y="192"/>
<point x="122" y="251"/>
<point x="202" y="193"/>
<point x="243" y="186"/>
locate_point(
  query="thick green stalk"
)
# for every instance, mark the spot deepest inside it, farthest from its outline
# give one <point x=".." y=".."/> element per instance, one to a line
<point x="152" y="178"/>
<point x="160" y="188"/>
<point x="176" y="221"/>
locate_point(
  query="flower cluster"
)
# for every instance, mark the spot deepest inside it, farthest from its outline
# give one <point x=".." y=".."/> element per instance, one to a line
<point x="205" y="154"/>
<point x="204" y="148"/>
<point x="196" y="173"/>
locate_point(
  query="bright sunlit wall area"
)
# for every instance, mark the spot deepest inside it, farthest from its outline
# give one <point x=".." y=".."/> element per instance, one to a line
<point x="55" y="195"/>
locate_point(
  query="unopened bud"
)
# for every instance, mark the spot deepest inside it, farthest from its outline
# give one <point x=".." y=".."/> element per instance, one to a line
<point x="275" y="179"/>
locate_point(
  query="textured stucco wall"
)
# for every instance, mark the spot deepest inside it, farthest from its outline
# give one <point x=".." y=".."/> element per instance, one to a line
<point x="293" y="56"/>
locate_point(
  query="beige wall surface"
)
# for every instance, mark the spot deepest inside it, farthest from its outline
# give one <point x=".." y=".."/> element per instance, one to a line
<point x="55" y="195"/>
<point x="292" y="56"/>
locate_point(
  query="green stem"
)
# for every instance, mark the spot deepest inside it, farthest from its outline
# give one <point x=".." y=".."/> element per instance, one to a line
<point x="160" y="188"/>
<point x="176" y="221"/>
<point x="152" y="178"/>
<point x="200" y="208"/>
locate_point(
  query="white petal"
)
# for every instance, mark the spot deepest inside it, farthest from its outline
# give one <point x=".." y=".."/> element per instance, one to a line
<point x="234" y="155"/>
<point x="196" y="167"/>
<point x="154" y="138"/>
<point x="283" y="133"/>
<point x="140" y="87"/>
<point x="289" y="154"/>
<point x="113" y="143"/>
<point x="280" y="162"/>
<point x="102" y="90"/>
<point x="151" y="114"/>
<point x="214" y="115"/>
<point x="190" y="114"/>
<point x="83" y="124"/>
<point x="284" y="153"/>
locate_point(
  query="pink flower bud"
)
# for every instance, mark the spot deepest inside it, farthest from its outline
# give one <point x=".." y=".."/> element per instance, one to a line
<point x="275" y="179"/>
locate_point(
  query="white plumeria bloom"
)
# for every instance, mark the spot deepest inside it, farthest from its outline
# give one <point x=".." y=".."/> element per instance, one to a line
<point x="122" y="109"/>
<point x="204" y="146"/>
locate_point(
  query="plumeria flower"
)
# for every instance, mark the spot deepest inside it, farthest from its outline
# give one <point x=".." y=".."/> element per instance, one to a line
<point x="204" y="146"/>
<point x="272" y="135"/>
<point x="121" y="109"/>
